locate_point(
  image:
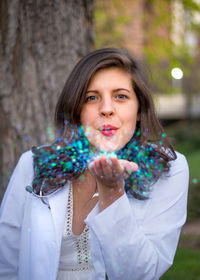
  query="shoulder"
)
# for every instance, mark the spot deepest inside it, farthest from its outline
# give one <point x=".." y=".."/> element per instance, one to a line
<point x="26" y="156"/>
<point x="24" y="169"/>
<point x="176" y="181"/>
<point x="179" y="164"/>
<point x="25" y="160"/>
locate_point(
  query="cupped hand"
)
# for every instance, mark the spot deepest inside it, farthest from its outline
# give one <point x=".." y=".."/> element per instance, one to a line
<point x="111" y="172"/>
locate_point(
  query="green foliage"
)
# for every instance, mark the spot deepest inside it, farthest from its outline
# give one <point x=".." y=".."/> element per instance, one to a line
<point x="191" y="5"/>
<point x="159" y="52"/>
<point x="110" y="17"/>
<point x="187" y="138"/>
<point x="194" y="202"/>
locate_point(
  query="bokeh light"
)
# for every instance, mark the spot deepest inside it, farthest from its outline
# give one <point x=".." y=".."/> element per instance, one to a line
<point x="177" y="73"/>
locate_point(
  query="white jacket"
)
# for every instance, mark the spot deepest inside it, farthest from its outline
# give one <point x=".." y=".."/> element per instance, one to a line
<point x="131" y="239"/>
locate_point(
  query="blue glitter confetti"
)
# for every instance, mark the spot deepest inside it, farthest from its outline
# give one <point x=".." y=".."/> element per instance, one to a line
<point x="67" y="160"/>
<point x="194" y="180"/>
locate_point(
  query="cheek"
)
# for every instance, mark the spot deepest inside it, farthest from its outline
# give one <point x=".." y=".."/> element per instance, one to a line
<point x="130" y="126"/>
<point x="130" y="129"/>
<point x="87" y="122"/>
<point x="87" y="116"/>
<point x="131" y="118"/>
<point x="84" y="117"/>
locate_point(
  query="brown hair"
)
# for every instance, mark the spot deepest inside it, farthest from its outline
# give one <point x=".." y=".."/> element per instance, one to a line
<point x="72" y="98"/>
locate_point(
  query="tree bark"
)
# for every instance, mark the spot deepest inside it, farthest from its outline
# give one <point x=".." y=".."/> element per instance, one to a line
<point x="40" y="41"/>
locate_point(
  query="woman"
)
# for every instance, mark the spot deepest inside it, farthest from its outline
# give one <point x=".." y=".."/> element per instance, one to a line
<point x="108" y="198"/>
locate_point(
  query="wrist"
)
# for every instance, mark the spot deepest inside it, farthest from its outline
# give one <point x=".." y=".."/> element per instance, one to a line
<point x="108" y="195"/>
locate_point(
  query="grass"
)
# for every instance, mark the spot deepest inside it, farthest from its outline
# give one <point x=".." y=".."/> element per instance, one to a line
<point x="186" y="265"/>
<point x="186" y="261"/>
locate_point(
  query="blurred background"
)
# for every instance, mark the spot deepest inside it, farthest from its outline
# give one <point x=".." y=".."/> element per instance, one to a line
<point x="40" y="42"/>
<point x="165" y="37"/>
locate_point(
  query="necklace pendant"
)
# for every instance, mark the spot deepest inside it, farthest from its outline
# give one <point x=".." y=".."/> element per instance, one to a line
<point x="95" y="194"/>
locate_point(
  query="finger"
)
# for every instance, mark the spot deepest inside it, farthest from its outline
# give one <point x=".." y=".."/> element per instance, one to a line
<point x="128" y="165"/>
<point x="106" y="167"/>
<point x="126" y="174"/>
<point x="91" y="168"/>
<point x="94" y="167"/>
<point x="117" y="166"/>
<point x="97" y="169"/>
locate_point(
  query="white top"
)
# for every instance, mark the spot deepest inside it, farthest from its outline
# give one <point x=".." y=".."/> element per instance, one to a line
<point x="130" y="240"/>
<point x="75" y="259"/>
<point x="137" y="239"/>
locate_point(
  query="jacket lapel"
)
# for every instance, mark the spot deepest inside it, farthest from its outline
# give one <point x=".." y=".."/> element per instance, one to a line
<point x="58" y="206"/>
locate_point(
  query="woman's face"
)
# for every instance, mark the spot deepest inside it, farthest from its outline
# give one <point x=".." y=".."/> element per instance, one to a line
<point x="110" y="111"/>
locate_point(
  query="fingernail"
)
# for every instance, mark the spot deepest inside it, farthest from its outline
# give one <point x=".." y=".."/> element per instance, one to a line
<point x="109" y="161"/>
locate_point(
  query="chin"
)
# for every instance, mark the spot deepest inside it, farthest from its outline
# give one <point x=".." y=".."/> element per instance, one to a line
<point x="109" y="146"/>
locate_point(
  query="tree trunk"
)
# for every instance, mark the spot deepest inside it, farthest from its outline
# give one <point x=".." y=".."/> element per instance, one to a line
<point x="40" y="41"/>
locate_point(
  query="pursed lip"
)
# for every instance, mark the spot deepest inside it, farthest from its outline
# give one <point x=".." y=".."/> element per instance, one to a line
<point x="108" y="127"/>
<point x="108" y="130"/>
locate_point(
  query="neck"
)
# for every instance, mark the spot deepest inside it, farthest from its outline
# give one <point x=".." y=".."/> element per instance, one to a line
<point x="84" y="187"/>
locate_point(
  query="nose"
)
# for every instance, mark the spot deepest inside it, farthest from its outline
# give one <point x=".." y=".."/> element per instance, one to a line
<point x="107" y="107"/>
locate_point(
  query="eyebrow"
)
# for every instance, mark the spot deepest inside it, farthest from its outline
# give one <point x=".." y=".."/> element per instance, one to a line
<point x="115" y="90"/>
<point x="118" y="89"/>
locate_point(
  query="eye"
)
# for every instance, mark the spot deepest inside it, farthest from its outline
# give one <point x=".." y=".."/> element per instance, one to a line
<point x="121" y="96"/>
<point x="90" y="98"/>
